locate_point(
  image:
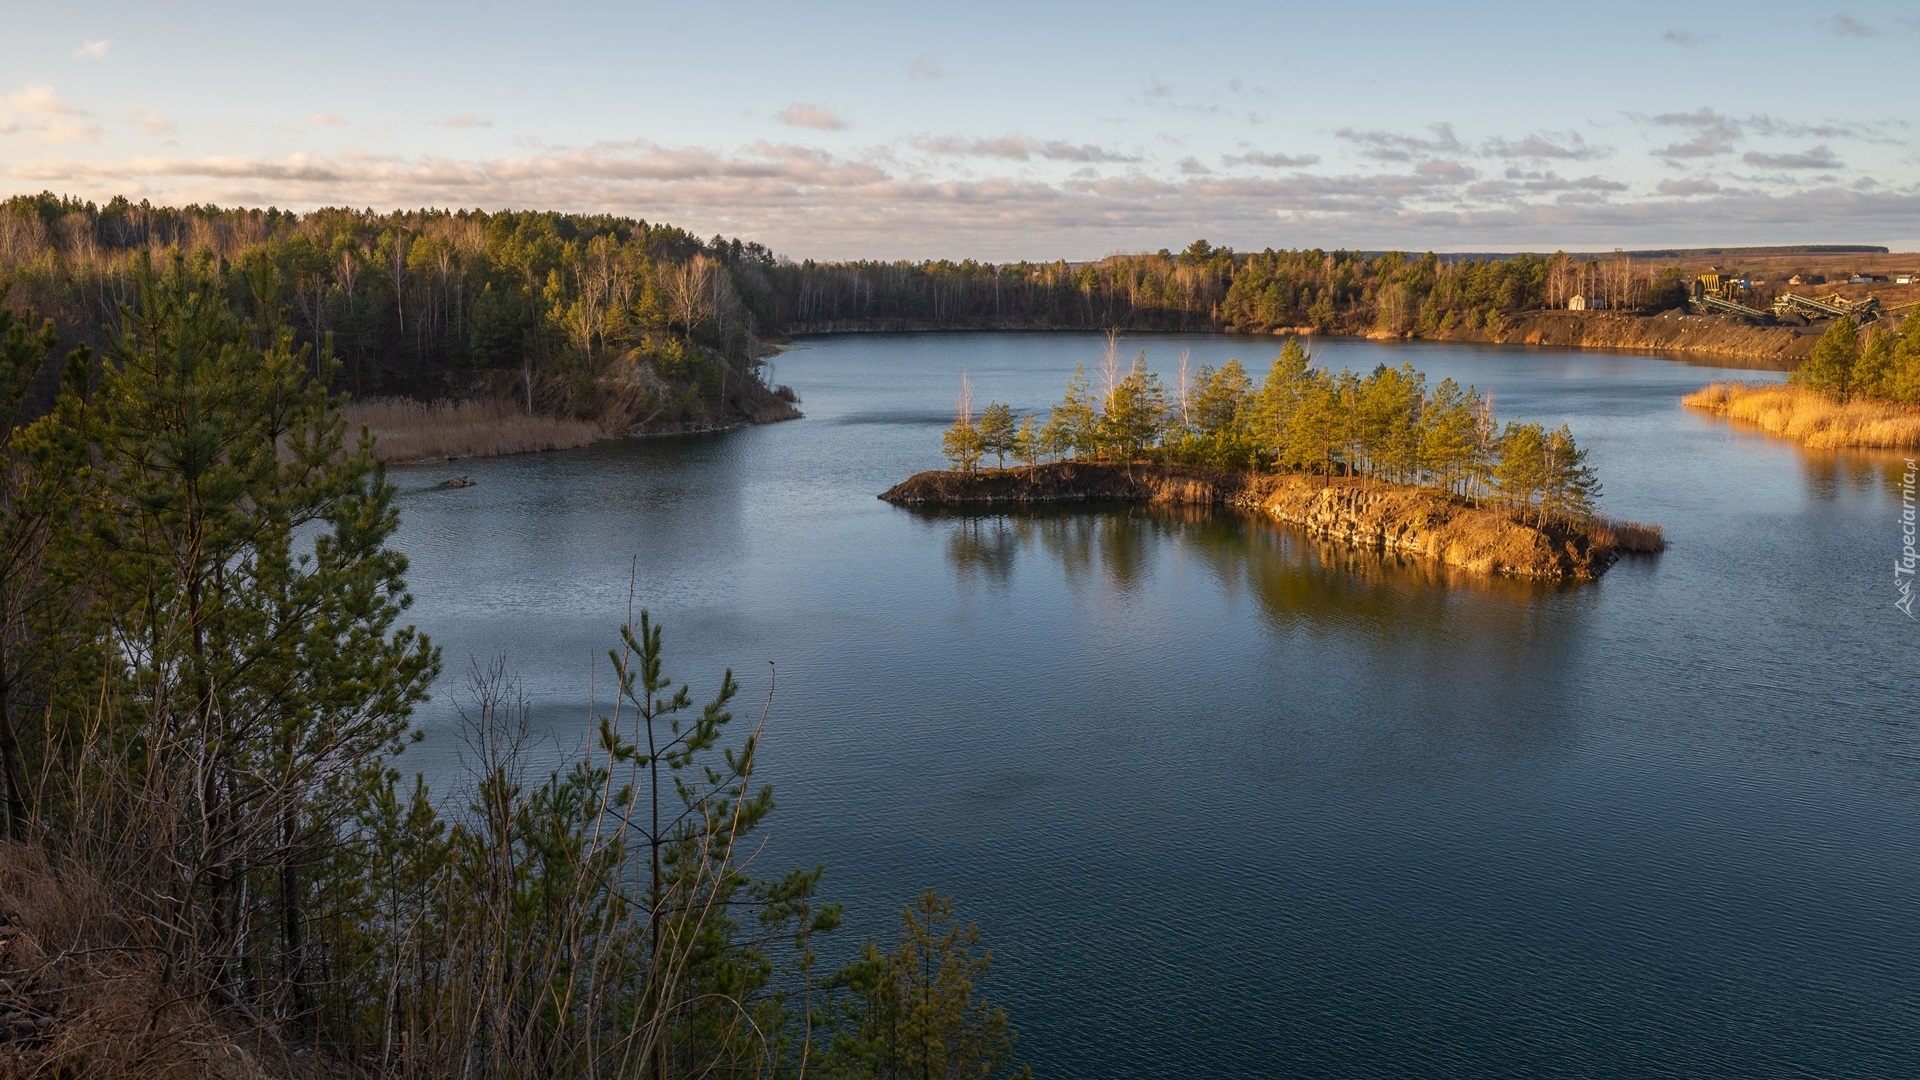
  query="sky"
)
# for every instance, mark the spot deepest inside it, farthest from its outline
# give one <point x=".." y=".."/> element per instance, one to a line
<point x="999" y="131"/>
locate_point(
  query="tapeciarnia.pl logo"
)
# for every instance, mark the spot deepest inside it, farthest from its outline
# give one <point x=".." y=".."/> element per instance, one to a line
<point x="1903" y="567"/>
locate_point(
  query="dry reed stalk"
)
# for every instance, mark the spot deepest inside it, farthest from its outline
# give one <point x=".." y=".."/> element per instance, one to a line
<point x="1812" y="417"/>
<point x="1628" y="536"/>
<point x="405" y="430"/>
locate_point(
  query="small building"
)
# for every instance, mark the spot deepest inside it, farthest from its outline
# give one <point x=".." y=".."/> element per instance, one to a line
<point x="1587" y="303"/>
<point x="1860" y="279"/>
<point x="1905" y="279"/>
<point x="1795" y="280"/>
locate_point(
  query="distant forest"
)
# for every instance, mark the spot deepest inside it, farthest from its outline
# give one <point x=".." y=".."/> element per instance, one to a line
<point x="575" y="314"/>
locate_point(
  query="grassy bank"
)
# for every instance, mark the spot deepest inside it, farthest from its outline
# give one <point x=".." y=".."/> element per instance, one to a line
<point x="1814" y="418"/>
<point x="405" y="430"/>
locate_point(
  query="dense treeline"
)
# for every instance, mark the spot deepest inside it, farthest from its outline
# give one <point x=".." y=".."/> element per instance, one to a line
<point x="1886" y="367"/>
<point x="1206" y="288"/>
<point x="1388" y="425"/>
<point x="209" y="854"/>
<point x="584" y="315"/>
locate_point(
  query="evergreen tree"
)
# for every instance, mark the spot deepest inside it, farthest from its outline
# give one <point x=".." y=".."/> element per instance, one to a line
<point x="1831" y="366"/>
<point x="1072" y="427"/>
<point x="997" y="432"/>
<point x="915" y="1011"/>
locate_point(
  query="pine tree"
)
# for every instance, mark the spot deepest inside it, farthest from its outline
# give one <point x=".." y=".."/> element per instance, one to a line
<point x="1830" y="368"/>
<point x="244" y="574"/>
<point x="997" y="432"/>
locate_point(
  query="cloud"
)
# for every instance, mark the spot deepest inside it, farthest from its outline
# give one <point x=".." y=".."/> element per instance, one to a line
<point x="147" y="120"/>
<point x="1392" y="146"/>
<point x="1686" y="39"/>
<point x="35" y="110"/>
<point x="1569" y="146"/>
<point x="802" y="115"/>
<point x="1018" y="148"/>
<point x="1843" y="25"/>
<point x="325" y="120"/>
<point x="808" y="202"/>
<point x="1521" y="182"/>
<point x="91" y="50"/>
<point x="1157" y="91"/>
<point x="464" y="120"/>
<point x="1817" y="158"/>
<point x="1714" y="134"/>
<point x="1451" y="172"/>
<point x="926" y="66"/>
<point x="1191" y="166"/>
<point x="1271" y="161"/>
<point x="1690" y="186"/>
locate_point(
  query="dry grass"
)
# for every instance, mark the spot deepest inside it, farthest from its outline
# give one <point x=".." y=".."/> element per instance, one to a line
<point x="1812" y="417"/>
<point x="1629" y="536"/>
<point x="405" y="430"/>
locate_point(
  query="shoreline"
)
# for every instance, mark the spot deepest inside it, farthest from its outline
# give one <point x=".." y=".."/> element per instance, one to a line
<point x="1811" y="418"/>
<point x="1707" y="339"/>
<point x="1358" y="512"/>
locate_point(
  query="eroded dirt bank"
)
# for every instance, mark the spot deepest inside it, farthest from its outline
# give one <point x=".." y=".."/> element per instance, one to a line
<point x="1777" y="348"/>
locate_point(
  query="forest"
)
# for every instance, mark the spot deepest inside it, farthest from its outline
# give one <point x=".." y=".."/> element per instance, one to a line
<point x="211" y="860"/>
<point x="643" y="326"/>
<point x="1387" y="425"/>
<point x="635" y="325"/>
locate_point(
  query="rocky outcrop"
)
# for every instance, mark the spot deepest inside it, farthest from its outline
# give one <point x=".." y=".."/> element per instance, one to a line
<point x="1362" y="513"/>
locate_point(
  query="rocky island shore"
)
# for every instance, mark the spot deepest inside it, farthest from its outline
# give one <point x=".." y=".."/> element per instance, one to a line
<point x="1360" y="512"/>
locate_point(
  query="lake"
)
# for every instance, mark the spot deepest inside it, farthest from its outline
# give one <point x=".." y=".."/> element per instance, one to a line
<point x="1228" y="801"/>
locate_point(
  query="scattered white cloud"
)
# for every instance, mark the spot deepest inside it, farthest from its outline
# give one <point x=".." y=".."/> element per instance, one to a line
<point x="318" y="120"/>
<point x="802" y="115"/>
<point x="36" y="111"/>
<point x="147" y="120"/>
<point x="464" y="120"/>
<point x="1018" y="148"/>
<point x="91" y="50"/>
<point x="807" y="201"/>
<point x="1686" y="39"/>
<point x="1567" y="146"/>
<point x="926" y="66"/>
<point x="1270" y="160"/>
<point x="1714" y="134"/>
<point x="1393" y="146"/>
<point x="1820" y="157"/>
<point x="1844" y="25"/>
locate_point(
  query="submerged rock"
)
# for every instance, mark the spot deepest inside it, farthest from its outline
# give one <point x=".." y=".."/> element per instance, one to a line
<point x="456" y="482"/>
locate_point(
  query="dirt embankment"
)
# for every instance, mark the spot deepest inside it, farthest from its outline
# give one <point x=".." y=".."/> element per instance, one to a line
<point x="1362" y="513"/>
<point x="1734" y="343"/>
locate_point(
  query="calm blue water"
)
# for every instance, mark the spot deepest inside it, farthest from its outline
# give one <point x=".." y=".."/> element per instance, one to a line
<point x="1228" y="802"/>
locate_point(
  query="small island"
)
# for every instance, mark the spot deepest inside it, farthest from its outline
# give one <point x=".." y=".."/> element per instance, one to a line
<point x="1380" y="462"/>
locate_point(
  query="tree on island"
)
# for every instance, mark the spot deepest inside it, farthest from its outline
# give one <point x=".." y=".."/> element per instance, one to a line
<point x="997" y="432"/>
<point x="1388" y="426"/>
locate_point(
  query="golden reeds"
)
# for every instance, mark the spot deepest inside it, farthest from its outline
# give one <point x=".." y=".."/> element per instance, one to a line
<point x="1630" y="536"/>
<point x="1812" y="417"/>
<point x="405" y="430"/>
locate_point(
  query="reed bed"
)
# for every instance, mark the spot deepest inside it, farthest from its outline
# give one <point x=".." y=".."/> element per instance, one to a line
<point x="1812" y="417"/>
<point x="405" y="430"/>
<point x="1629" y="536"/>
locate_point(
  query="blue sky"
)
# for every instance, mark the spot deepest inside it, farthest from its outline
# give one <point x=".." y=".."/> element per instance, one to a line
<point x="1000" y="130"/>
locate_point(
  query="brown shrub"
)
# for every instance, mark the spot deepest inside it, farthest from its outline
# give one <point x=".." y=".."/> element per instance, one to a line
<point x="1812" y="417"/>
<point x="406" y="430"/>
